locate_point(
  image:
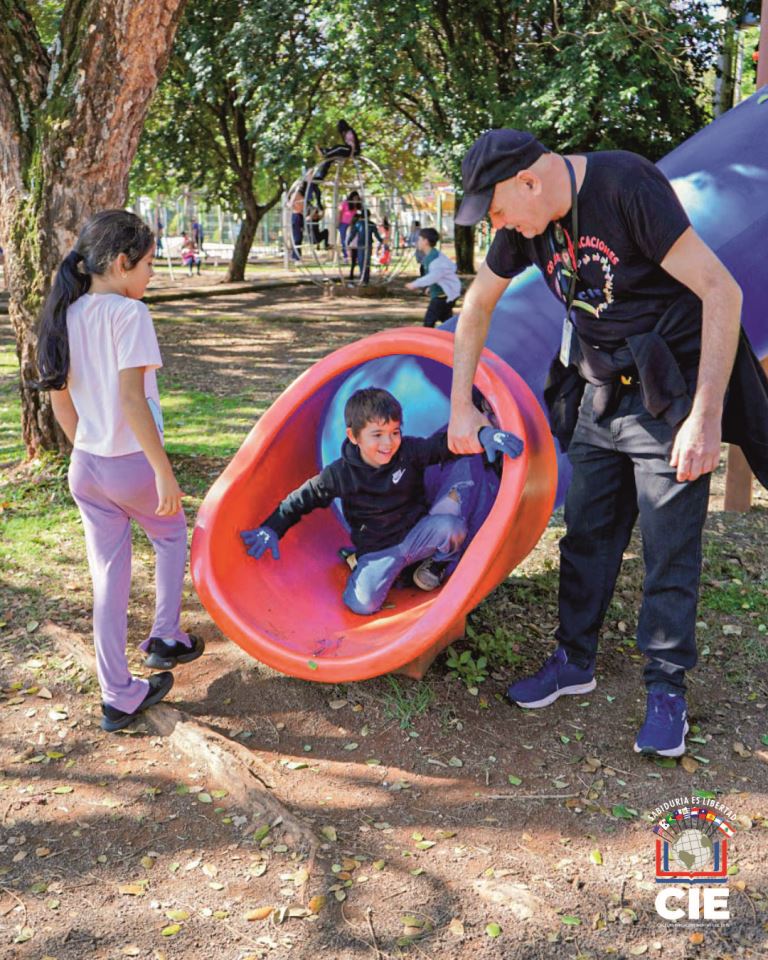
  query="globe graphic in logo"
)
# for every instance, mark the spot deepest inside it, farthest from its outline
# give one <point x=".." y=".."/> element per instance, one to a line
<point x="692" y="851"/>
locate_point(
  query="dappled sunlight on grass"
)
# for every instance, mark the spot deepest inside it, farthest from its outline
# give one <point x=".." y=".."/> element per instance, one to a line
<point x="204" y="424"/>
<point x="11" y="447"/>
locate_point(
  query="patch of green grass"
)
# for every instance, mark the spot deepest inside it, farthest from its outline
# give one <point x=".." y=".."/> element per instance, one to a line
<point x="407" y="703"/>
<point x="11" y="446"/>
<point x="735" y="598"/>
<point x="41" y="539"/>
<point x="203" y="424"/>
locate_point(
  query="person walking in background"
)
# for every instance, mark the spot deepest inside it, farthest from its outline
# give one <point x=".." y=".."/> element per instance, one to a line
<point x="362" y="232"/>
<point x="159" y="238"/>
<point x="198" y="236"/>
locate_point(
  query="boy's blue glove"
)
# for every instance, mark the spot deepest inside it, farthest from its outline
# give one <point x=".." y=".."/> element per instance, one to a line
<point x="260" y="540"/>
<point x="499" y="441"/>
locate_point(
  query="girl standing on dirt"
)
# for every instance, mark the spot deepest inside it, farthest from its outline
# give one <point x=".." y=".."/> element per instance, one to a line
<point x="97" y="354"/>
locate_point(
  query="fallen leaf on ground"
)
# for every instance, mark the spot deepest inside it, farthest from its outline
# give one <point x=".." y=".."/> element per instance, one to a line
<point x="132" y="889"/>
<point x="260" y="913"/>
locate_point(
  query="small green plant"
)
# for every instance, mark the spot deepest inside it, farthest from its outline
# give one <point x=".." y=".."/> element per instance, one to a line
<point x="406" y="705"/>
<point x="496" y="646"/>
<point x="463" y="666"/>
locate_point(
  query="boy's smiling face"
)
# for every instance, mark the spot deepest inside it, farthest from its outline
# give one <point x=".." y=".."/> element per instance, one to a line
<point x="378" y="441"/>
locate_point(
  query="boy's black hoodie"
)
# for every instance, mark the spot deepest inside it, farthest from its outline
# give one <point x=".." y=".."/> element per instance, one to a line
<point x="381" y="504"/>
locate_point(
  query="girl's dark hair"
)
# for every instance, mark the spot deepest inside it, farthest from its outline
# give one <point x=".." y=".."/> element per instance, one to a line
<point x="343" y="127"/>
<point x="430" y="235"/>
<point x="103" y="238"/>
<point x="371" y="404"/>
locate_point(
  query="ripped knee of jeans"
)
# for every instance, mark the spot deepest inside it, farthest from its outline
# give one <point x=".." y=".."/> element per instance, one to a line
<point x="451" y="502"/>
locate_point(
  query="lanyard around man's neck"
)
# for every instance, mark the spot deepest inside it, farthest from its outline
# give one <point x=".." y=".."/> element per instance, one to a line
<point x="574" y="251"/>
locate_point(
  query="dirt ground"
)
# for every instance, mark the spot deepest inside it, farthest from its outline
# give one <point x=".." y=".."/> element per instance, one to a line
<point x="448" y="824"/>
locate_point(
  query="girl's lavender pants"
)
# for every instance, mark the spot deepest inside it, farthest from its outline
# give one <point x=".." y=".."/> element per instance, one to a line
<point x="110" y="492"/>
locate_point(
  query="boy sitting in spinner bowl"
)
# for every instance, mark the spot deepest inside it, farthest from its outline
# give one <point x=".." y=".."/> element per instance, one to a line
<point x="379" y="479"/>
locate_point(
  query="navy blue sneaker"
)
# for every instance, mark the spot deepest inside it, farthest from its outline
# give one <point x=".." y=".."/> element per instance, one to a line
<point x="665" y="727"/>
<point x="556" y="678"/>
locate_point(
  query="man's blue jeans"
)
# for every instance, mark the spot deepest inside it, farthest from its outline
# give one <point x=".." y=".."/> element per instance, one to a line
<point x="621" y="472"/>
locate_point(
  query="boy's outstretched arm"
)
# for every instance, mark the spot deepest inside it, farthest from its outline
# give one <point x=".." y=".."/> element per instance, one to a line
<point x="318" y="491"/>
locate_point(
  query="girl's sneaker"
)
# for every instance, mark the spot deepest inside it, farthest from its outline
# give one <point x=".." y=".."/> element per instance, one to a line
<point x="165" y="656"/>
<point x="114" y="719"/>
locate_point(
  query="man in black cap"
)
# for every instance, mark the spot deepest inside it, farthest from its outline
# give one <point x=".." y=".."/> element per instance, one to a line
<point x="651" y="329"/>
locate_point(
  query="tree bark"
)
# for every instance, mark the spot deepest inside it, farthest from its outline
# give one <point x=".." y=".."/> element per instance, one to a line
<point x="69" y="128"/>
<point x="254" y="214"/>
<point x="244" y="242"/>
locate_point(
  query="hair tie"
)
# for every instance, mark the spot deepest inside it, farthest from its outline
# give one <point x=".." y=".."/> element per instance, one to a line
<point x="78" y="256"/>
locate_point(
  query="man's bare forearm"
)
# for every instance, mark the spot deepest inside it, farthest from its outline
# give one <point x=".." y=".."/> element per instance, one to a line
<point x="471" y="333"/>
<point x="721" y="317"/>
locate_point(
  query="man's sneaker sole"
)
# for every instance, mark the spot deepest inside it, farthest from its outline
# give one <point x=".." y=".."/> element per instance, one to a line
<point x="563" y="691"/>
<point x="677" y="751"/>
<point x="156" y="662"/>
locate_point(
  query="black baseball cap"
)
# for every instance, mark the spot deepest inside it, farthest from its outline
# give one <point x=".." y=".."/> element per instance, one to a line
<point x="496" y="156"/>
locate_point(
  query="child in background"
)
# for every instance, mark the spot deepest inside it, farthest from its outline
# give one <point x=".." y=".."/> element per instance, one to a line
<point x="362" y="232"/>
<point x="439" y="275"/>
<point x="349" y="147"/>
<point x="190" y="255"/>
<point x="347" y="210"/>
<point x="380" y="480"/>
<point x="97" y="354"/>
<point x="385" y="249"/>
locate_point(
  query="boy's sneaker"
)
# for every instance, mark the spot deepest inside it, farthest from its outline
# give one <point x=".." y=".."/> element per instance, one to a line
<point x="665" y="727"/>
<point x="556" y="678"/>
<point x="429" y="574"/>
<point x="114" y="719"/>
<point x="165" y="656"/>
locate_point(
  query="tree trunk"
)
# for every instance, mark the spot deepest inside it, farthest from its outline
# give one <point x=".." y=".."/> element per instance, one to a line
<point x="244" y="242"/>
<point x="254" y="214"/>
<point x="68" y="133"/>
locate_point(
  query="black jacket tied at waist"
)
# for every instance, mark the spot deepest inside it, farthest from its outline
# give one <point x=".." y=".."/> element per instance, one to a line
<point x="665" y="361"/>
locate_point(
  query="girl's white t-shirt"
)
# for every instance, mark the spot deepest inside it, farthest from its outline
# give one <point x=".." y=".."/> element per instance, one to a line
<point x="109" y="333"/>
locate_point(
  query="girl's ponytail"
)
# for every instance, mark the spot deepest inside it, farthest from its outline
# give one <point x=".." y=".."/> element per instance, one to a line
<point x="53" y="342"/>
<point x="104" y="237"/>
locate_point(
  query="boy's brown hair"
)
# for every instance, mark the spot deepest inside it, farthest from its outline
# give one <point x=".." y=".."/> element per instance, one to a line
<point x="371" y="405"/>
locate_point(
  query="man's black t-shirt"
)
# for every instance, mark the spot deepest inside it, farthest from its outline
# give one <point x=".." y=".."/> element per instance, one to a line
<point x="629" y="218"/>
